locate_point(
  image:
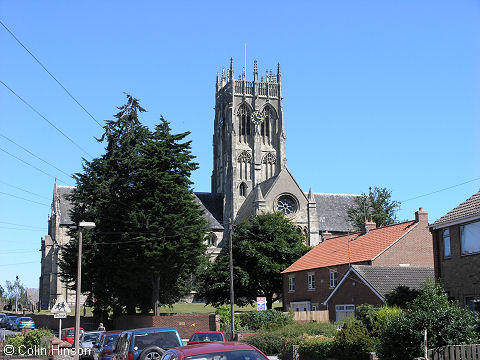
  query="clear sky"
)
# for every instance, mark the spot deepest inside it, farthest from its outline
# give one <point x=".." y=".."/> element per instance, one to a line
<point x="379" y="93"/>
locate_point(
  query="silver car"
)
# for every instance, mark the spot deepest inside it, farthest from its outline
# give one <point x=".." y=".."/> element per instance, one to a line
<point x="86" y="343"/>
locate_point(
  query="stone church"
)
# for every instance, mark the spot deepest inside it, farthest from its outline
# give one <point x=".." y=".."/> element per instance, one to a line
<point x="250" y="176"/>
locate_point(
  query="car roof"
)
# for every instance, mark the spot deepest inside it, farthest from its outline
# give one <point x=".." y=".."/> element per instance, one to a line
<point x="208" y="332"/>
<point x="113" y="332"/>
<point x="203" y="348"/>
<point x="151" y="330"/>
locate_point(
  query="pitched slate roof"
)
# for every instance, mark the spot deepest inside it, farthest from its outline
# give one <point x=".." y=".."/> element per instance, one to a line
<point x="386" y="278"/>
<point x="64" y="205"/>
<point x="212" y="202"/>
<point x="332" y="211"/>
<point x="363" y="247"/>
<point x="469" y="207"/>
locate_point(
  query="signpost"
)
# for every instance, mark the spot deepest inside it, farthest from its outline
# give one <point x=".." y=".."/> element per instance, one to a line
<point x="261" y="303"/>
<point x="60" y="311"/>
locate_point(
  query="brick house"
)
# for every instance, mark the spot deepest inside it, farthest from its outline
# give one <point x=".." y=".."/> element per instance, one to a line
<point x="366" y="284"/>
<point x="456" y="245"/>
<point x="309" y="281"/>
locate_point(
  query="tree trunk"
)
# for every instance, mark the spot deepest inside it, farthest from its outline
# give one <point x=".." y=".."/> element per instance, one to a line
<point x="156" y="294"/>
<point x="269" y="302"/>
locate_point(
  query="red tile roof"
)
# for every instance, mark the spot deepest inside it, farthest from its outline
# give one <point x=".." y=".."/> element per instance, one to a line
<point x="364" y="247"/>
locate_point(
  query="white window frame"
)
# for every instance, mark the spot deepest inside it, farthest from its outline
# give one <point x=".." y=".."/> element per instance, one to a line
<point x="300" y="306"/>
<point x="311" y="281"/>
<point x="344" y="309"/>
<point x="446" y="239"/>
<point x="470" y="238"/>
<point x="333" y="278"/>
<point x="291" y="283"/>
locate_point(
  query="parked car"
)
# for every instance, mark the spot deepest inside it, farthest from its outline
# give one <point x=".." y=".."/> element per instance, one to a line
<point x="103" y="348"/>
<point x="87" y="339"/>
<point x="10" y="322"/>
<point x="23" y="321"/>
<point x="3" y="320"/>
<point x="145" y="344"/>
<point x="206" y="336"/>
<point x="215" y="350"/>
<point x="68" y="334"/>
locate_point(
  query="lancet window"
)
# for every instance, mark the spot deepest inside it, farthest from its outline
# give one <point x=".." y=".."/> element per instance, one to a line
<point x="243" y="189"/>
<point x="268" y="165"/>
<point x="268" y="124"/>
<point x="244" y="165"/>
<point x="243" y="115"/>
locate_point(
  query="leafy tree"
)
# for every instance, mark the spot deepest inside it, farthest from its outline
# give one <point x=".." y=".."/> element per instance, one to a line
<point x="401" y="296"/>
<point x="377" y="206"/>
<point x="16" y="291"/>
<point x="262" y="248"/>
<point x="148" y="226"/>
<point x="445" y="321"/>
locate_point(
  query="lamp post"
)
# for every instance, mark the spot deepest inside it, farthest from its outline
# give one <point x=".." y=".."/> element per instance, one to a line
<point x="232" y="299"/>
<point x="82" y="225"/>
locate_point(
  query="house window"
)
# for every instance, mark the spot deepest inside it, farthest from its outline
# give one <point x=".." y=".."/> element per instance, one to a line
<point x="446" y="243"/>
<point x="344" y="311"/>
<point x="470" y="238"/>
<point x="311" y="281"/>
<point x="291" y="283"/>
<point x="314" y="307"/>
<point x="333" y="279"/>
<point x="472" y="303"/>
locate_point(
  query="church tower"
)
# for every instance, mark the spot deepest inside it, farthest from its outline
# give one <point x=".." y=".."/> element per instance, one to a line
<point x="249" y="135"/>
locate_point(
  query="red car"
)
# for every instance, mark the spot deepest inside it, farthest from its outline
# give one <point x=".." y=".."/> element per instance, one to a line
<point x="68" y="334"/>
<point x="214" y="351"/>
<point x="206" y="336"/>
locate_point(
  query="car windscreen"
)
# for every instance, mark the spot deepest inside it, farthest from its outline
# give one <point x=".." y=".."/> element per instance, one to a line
<point x="207" y="337"/>
<point x="162" y="339"/>
<point x="110" y="340"/>
<point x="89" y="337"/>
<point x="71" y="332"/>
<point x="229" y="355"/>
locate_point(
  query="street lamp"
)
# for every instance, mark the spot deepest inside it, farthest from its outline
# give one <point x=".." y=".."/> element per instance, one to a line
<point x="81" y="225"/>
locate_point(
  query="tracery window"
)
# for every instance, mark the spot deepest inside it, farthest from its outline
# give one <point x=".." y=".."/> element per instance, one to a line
<point x="268" y="165"/>
<point x="268" y="124"/>
<point x="287" y="204"/>
<point x="244" y="165"/>
<point x="244" y="129"/>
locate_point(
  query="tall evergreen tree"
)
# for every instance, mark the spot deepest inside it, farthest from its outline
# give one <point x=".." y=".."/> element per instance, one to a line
<point x="123" y="192"/>
<point x="263" y="247"/>
<point x="377" y="206"/>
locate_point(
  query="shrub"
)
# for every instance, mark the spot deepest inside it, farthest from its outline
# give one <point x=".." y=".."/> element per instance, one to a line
<point x="401" y="296"/>
<point x="268" y="343"/>
<point x="38" y="338"/>
<point x="224" y="313"/>
<point x="367" y="314"/>
<point x="316" y="348"/>
<point x="16" y="341"/>
<point x="446" y="324"/>
<point x="386" y="313"/>
<point x="269" y="319"/>
<point x="353" y="342"/>
<point x="313" y="328"/>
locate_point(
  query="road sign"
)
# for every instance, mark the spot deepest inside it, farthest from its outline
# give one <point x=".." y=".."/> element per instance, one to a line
<point x="61" y="315"/>
<point x="60" y="306"/>
<point x="261" y="303"/>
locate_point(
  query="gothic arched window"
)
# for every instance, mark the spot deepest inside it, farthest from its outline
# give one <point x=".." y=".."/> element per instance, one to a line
<point x="243" y="189"/>
<point x="244" y="127"/>
<point x="244" y="164"/>
<point x="212" y="239"/>
<point x="268" y="124"/>
<point x="268" y="165"/>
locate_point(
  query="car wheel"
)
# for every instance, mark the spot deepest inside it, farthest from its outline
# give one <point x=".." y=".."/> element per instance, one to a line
<point x="151" y="353"/>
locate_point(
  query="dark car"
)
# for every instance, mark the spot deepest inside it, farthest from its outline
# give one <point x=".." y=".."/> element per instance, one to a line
<point x="145" y="344"/>
<point x="10" y="322"/>
<point x="102" y="350"/>
<point x="3" y="320"/>
<point x="215" y="351"/>
<point x="206" y="336"/>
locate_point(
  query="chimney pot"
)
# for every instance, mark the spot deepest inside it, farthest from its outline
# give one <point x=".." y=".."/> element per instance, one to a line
<point x="369" y="225"/>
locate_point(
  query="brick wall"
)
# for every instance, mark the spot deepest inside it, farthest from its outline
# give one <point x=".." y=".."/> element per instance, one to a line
<point x="459" y="273"/>
<point x="49" y="322"/>
<point x="414" y="248"/>
<point x="353" y="291"/>
<point x="186" y="324"/>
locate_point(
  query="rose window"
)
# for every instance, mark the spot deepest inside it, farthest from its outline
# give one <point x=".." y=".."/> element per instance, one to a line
<point x="286" y="204"/>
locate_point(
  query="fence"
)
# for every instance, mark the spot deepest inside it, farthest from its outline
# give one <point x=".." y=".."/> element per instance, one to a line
<point x="318" y="316"/>
<point x="455" y="352"/>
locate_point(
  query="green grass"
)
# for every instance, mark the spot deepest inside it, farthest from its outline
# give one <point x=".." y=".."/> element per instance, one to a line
<point x="198" y="308"/>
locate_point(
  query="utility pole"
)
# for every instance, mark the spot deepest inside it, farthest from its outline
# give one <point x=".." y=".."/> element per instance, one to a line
<point x="81" y="226"/>
<point x="17" y="283"/>
<point x="232" y="298"/>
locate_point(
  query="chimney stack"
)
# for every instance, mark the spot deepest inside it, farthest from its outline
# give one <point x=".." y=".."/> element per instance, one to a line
<point x="368" y="225"/>
<point x="421" y="216"/>
<point x="326" y="235"/>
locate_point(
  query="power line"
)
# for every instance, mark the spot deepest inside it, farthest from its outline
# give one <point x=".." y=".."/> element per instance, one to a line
<point x="18" y="188"/>
<point x="31" y="153"/>
<point x="19" y="197"/>
<point x="21" y="263"/>
<point x="44" y="118"/>
<point x="437" y="191"/>
<point x="9" y="223"/>
<point x="49" y="73"/>
<point x="10" y="228"/>
<point x="33" y="166"/>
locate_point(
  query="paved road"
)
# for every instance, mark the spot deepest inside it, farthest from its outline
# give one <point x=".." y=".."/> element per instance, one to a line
<point x="4" y="333"/>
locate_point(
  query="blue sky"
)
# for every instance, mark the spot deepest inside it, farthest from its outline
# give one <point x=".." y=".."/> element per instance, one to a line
<point x="379" y="93"/>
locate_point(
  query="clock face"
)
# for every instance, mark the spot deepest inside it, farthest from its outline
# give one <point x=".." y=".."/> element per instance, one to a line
<point x="286" y="204"/>
<point x="257" y="117"/>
